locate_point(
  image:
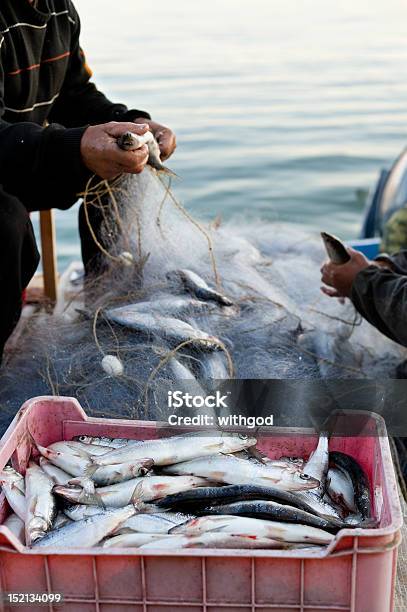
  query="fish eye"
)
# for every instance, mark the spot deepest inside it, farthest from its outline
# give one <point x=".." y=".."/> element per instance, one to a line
<point x="243" y="437"/>
<point x="305" y="477"/>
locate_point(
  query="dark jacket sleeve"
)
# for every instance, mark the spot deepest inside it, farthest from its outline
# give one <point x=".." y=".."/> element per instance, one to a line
<point x="398" y="262"/>
<point x="380" y="295"/>
<point x="80" y="102"/>
<point x="41" y="166"/>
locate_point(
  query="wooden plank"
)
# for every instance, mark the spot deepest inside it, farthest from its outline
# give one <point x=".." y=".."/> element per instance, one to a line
<point x="48" y="252"/>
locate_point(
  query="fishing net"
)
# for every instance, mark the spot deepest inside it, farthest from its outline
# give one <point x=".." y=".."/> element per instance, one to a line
<point x="280" y="325"/>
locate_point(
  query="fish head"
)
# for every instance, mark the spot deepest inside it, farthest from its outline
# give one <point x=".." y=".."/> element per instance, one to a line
<point x="142" y="467"/>
<point x="128" y="142"/>
<point x="233" y="443"/>
<point x="9" y="476"/>
<point x="300" y="481"/>
<point x="84" y="439"/>
<point x="37" y="528"/>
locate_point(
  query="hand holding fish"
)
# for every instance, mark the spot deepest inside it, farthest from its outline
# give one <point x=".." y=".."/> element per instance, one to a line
<point x="340" y="277"/>
<point x="100" y="152"/>
<point x="164" y="136"/>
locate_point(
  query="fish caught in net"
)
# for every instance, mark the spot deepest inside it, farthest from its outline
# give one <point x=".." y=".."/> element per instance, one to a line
<point x="187" y="304"/>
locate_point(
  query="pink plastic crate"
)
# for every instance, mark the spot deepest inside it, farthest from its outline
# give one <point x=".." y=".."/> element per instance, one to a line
<point x="356" y="573"/>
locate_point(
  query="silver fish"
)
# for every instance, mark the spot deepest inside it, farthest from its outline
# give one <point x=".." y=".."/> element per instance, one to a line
<point x="173" y="306"/>
<point x="94" y="449"/>
<point x="75" y="461"/>
<point x="359" y="479"/>
<point x="340" y="489"/>
<point x="104" y="441"/>
<point x="131" y="540"/>
<point x="172" y="330"/>
<point x="77" y="512"/>
<point x="165" y="451"/>
<point x="119" y="472"/>
<point x="130" y="142"/>
<point x="337" y="251"/>
<point x="16" y="526"/>
<point x="72" y="461"/>
<point x="58" y="476"/>
<point x="216" y="540"/>
<point x="86" y="532"/>
<point x="317" y="464"/>
<point x="240" y="525"/>
<point x="214" y="367"/>
<point x="136" y="490"/>
<point x="41" y="504"/>
<point x="321" y="506"/>
<point x="150" y="523"/>
<point x="196" y="285"/>
<point x="13" y="486"/>
<point x="232" y="470"/>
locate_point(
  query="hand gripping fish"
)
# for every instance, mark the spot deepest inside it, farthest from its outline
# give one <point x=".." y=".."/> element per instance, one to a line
<point x="130" y="142"/>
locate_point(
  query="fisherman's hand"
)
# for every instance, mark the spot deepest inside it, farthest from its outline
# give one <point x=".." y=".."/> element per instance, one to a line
<point x="339" y="278"/>
<point x="164" y="136"/>
<point x="101" y="154"/>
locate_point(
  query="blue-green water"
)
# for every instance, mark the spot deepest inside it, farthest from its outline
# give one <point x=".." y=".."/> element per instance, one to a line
<point x="282" y="108"/>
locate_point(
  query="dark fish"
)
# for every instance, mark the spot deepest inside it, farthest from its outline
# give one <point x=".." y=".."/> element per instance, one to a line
<point x="273" y="511"/>
<point x="337" y="251"/>
<point x="359" y="480"/>
<point x="198" y="498"/>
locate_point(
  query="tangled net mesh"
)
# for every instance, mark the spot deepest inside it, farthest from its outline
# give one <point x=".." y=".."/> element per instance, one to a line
<point x="280" y="326"/>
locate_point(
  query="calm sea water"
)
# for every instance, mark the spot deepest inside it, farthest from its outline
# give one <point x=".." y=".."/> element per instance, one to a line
<point x="283" y="108"/>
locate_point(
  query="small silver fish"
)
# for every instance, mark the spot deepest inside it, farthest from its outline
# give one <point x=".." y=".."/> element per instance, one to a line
<point x="131" y="491"/>
<point x="13" y="486"/>
<point x="166" y="451"/>
<point x="232" y="470"/>
<point x="58" y="475"/>
<point x="196" y="285"/>
<point x="337" y="251"/>
<point x="317" y="464"/>
<point x="172" y="330"/>
<point x="340" y="489"/>
<point x="130" y="142"/>
<point x="86" y="532"/>
<point x="41" y="504"/>
<point x="104" y="441"/>
<point x="151" y="523"/>
<point x="174" y="306"/>
<point x="240" y="525"/>
<point x="131" y="540"/>
<point x="216" y="540"/>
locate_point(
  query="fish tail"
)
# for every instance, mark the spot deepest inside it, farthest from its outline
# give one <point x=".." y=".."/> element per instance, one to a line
<point x="90" y="469"/>
<point x="168" y="172"/>
<point x="137" y="496"/>
<point x="92" y="499"/>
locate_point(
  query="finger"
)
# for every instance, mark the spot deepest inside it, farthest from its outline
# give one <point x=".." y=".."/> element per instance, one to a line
<point x="166" y="142"/>
<point x="116" y="129"/>
<point x="330" y="292"/>
<point x="327" y="278"/>
<point x="130" y="162"/>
